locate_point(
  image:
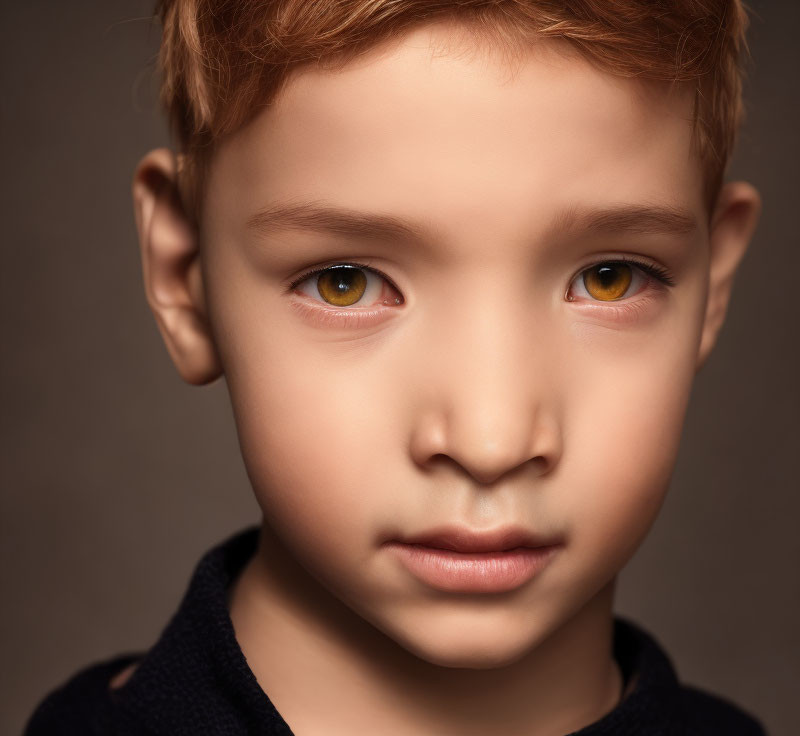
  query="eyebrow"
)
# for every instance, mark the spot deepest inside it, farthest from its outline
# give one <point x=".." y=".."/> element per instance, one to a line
<point x="635" y="219"/>
<point x="318" y="216"/>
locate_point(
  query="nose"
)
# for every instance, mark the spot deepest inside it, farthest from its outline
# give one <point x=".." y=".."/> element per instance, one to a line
<point x="490" y="401"/>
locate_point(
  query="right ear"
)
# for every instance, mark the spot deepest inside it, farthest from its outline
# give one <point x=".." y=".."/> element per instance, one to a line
<point x="173" y="280"/>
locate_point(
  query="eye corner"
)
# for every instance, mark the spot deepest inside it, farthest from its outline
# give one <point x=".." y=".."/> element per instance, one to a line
<point x="644" y="278"/>
<point x="379" y="296"/>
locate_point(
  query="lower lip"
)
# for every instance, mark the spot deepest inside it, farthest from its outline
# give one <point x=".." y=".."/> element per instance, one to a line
<point x="473" y="572"/>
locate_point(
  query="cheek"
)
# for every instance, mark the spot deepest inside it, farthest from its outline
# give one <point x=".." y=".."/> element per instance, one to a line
<point x="629" y="416"/>
<point x="311" y="417"/>
<point x="308" y="431"/>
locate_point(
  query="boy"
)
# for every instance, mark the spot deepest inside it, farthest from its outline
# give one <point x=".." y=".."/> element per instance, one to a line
<point x="458" y="263"/>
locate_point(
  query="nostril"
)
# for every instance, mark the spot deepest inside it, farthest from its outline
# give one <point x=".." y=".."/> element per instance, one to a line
<point x="542" y="464"/>
<point x="485" y="446"/>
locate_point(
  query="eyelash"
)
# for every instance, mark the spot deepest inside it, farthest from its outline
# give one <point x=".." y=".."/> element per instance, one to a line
<point x="626" y="310"/>
<point x="319" y="269"/>
<point x="358" y="316"/>
<point x="657" y="272"/>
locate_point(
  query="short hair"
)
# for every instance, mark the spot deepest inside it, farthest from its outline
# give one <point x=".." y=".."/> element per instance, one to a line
<point x="222" y="61"/>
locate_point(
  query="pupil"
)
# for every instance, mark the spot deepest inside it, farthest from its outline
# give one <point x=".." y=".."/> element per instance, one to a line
<point x="342" y="285"/>
<point x="607" y="281"/>
<point x="607" y="275"/>
<point x="345" y="281"/>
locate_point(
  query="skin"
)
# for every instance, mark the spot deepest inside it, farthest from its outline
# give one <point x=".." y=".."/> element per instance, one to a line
<point x="497" y="391"/>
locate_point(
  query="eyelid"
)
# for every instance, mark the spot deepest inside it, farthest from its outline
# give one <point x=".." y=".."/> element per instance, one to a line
<point x="652" y="271"/>
<point x="624" y="308"/>
<point x="325" y="266"/>
<point x="323" y="314"/>
<point x="342" y="316"/>
<point x="624" y="312"/>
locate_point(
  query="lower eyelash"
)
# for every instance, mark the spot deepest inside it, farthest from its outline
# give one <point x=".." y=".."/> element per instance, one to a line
<point x="621" y="309"/>
<point x="659" y="273"/>
<point x="353" y="317"/>
<point x="624" y="310"/>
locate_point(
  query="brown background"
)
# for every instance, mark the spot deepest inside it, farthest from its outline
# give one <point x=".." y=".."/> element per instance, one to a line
<point x="116" y="476"/>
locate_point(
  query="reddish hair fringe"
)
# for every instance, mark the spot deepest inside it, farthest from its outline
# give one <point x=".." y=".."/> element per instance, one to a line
<point x="223" y="60"/>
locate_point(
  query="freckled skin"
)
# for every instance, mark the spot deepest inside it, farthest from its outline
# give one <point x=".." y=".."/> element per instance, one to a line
<point x="481" y="397"/>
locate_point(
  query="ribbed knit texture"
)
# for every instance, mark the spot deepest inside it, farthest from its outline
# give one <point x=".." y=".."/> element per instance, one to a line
<point x="195" y="680"/>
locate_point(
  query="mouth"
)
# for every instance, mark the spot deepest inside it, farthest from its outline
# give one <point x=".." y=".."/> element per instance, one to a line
<point x="461" y="560"/>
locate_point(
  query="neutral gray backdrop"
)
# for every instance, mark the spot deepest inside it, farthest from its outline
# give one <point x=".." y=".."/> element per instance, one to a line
<point x="116" y="477"/>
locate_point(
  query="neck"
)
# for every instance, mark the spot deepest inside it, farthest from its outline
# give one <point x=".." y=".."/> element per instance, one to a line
<point x="327" y="670"/>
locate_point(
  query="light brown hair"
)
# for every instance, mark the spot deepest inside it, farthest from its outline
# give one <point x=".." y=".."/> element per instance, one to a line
<point x="222" y="61"/>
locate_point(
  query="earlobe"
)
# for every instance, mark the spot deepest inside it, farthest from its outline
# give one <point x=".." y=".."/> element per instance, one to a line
<point x="173" y="279"/>
<point x="732" y="225"/>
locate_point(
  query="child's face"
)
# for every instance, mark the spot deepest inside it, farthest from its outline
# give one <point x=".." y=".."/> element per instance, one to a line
<point x="502" y="389"/>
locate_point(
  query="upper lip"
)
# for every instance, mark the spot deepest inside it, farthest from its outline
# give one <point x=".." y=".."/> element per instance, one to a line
<point x="463" y="539"/>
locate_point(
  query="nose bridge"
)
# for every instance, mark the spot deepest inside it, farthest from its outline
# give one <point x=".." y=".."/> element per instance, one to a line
<point x="491" y="387"/>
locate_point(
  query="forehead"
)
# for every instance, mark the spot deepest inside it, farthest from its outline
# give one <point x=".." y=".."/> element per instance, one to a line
<point x="458" y="134"/>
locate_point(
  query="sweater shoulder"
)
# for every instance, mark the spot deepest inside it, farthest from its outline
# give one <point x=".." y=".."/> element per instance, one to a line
<point x="707" y="714"/>
<point x="82" y="704"/>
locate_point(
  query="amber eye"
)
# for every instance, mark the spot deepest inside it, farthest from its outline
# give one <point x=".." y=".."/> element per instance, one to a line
<point x="342" y="285"/>
<point x="607" y="281"/>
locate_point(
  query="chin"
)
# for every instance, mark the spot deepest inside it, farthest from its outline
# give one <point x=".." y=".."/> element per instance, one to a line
<point x="465" y="654"/>
<point x="461" y="645"/>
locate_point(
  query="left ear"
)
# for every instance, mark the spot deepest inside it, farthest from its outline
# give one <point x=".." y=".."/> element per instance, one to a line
<point x="732" y="225"/>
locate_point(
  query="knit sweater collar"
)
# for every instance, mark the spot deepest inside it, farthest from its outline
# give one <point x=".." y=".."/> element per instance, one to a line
<point x="196" y="678"/>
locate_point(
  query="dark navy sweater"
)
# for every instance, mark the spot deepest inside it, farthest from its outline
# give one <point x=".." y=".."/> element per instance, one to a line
<point x="195" y="680"/>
